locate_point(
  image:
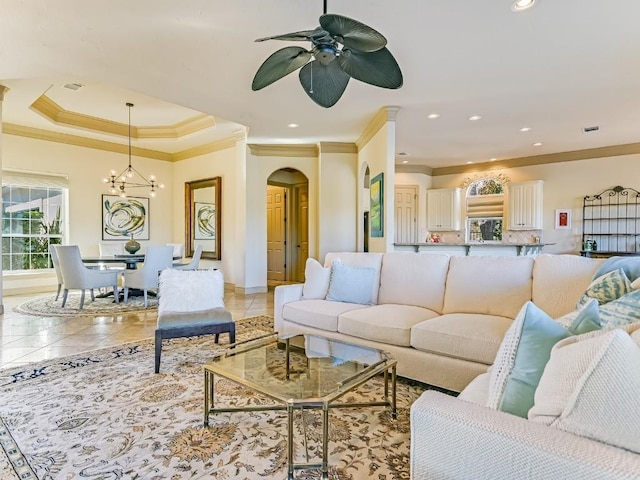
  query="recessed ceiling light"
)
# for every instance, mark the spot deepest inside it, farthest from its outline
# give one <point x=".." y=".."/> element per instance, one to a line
<point x="525" y="129"/>
<point x="405" y="161"/>
<point x="492" y="159"/>
<point x="402" y="154"/>
<point x="73" y="86"/>
<point x="521" y="5"/>
<point x="475" y="118"/>
<point x="468" y="163"/>
<point x="293" y="125"/>
<point x="537" y="144"/>
<point x="433" y="115"/>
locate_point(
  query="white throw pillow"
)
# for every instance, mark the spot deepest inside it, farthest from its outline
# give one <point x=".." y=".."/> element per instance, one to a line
<point x="591" y="387"/>
<point x="316" y="280"/>
<point x="351" y="284"/>
<point x="190" y="290"/>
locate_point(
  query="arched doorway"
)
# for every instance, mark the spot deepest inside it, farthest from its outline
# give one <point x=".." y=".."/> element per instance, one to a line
<point x="287" y="226"/>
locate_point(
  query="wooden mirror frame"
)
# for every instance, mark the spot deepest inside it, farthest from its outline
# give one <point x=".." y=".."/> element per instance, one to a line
<point x="189" y="188"/>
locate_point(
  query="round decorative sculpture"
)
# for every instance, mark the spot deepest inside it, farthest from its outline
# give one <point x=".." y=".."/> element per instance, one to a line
<point x="132" y="246"/>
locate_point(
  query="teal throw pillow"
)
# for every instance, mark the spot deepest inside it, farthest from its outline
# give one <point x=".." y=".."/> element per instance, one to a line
<point x="351" y="284"/>
<point x="587" y="320"/>
<point x="623" y="311"/>
<point x="523" y="354"/>
<point x="607" y="288"/>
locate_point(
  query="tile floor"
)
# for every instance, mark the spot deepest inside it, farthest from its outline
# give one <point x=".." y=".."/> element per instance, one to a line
<point x="27" y="338"/>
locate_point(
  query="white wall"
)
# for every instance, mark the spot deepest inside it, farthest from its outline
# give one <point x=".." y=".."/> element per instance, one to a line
<point x="337" y="213"/>
<point x="217" y="164"/>
<point x="253" y="257"/>
<point x="565" y="185"/>
<point x="85" y="168"/>
<point x="379" y="154"/>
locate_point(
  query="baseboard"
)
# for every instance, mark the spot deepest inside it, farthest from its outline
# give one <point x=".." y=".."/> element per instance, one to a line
<point x="250" y="290"/>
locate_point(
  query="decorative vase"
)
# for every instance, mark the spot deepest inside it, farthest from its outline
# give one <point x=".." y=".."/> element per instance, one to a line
<point x="132" y="246"/>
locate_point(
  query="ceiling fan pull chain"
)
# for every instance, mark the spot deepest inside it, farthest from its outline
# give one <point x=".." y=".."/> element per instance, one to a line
<point x="311" y="85"/>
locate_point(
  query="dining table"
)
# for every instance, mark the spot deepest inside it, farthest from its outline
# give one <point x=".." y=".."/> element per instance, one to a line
<point x="130" y="260"/>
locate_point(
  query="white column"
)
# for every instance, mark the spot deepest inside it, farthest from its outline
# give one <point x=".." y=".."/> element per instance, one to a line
<point x="3" y="91"/>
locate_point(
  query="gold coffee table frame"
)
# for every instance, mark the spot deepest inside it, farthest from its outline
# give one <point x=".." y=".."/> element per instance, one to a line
<point x="309" y="377"/>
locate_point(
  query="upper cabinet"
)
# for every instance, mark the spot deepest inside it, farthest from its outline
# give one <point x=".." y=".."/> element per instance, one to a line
<point x="443" y="209"/>
<point x="524" y="204"/>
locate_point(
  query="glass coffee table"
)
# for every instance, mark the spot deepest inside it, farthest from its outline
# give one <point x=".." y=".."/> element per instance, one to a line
<point x="300" y="372"/>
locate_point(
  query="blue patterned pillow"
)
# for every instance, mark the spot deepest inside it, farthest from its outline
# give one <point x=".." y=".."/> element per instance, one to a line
<point x="622" y="311"/>
<point x="587" y="320"/>
<point x="607" y="288"/>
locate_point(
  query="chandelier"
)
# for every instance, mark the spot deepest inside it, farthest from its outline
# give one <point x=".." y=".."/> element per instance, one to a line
<point x="130" y="177"/>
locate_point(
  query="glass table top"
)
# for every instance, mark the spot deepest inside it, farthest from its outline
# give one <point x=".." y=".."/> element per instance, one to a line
<point x="317" y="368"/>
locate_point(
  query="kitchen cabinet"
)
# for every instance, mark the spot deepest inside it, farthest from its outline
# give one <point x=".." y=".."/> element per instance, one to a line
<point x="524" y="205"/>
<point x="443" y="209"/>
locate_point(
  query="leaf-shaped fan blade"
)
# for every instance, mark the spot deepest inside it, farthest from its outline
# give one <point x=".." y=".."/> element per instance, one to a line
<point x="290" y="37"/>
<point x="376" y="68"/>
<point x="280" y="64"/>
<point x="352" y="34"/>
<point x="325" y="84"/>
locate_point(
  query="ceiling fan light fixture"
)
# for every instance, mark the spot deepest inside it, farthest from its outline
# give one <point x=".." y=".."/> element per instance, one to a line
<point x="520" y="5"/>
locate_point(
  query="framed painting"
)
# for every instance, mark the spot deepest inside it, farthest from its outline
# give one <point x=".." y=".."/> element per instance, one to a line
<point x="205" y="221"/>
<point x="123" y="218"/>
<point x="376" y="215"/>
<point x="563" y="218"/>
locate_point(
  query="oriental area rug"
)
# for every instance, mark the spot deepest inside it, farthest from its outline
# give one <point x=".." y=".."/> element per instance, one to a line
<point x="105" y="415"/>
<point x="48" y="306"/>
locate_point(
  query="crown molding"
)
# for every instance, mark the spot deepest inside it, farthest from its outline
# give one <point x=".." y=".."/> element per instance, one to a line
<point x="600" y="152"/>
<point x="39" y="134"/>
<point x="269" y="150"/>
<point x="57" y="114"/>
<point x="384" y="115"/>
<point x="414" y="169"/>
<point x="204" y="149"/>
<point x="338" y="147"/>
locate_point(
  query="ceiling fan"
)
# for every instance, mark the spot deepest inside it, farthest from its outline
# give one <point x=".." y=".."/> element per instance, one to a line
<point x="341" y="48"/>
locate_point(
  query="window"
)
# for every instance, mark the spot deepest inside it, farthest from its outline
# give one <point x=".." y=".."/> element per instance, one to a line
<point x="484" y="206"/>
<point x="32" y="218"/>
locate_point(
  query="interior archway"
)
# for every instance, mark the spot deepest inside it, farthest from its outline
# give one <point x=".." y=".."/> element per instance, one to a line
<point x="287" y="226"/>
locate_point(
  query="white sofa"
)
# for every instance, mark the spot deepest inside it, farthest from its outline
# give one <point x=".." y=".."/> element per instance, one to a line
<point x="441" y="317"/>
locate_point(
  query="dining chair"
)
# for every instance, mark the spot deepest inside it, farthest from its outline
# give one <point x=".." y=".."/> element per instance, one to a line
<point x="178" y="250"/>
<point x="146" y="277"/>
<point x="108" y="249"/>
<point x="193" y="264"/>
<point x="191" y="303"/>
<point x="76" y="276"/>
<point x="56" y="267"/>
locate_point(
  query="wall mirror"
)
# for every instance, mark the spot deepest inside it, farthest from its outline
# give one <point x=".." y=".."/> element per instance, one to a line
<point x="202" y="217"/>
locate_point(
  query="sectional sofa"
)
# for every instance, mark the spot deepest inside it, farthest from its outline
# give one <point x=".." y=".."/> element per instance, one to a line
<point x="443" y="318"/>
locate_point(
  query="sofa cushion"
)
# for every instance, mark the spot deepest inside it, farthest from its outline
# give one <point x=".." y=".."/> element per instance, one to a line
<point x="316" y="280"/>
<point x="591" y="387"/>
<point x="360" y="259"/>
<point x="351" y="284"/>
<point x="466" y="336"/>
<point x="321" y="314"/>
<point x="523" y="354"/>
<point x="607" y="287"/>
<point x="414" y="279"/>
<point x="560" y="280"/>
<point x="488" y="285"/>
<point x="384" y="323"/>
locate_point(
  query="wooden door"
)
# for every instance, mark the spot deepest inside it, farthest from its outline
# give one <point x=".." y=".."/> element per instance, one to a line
<point x="406" y="214"/>
<point x="276" y="233"/>
<point x="302" y="230"/>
